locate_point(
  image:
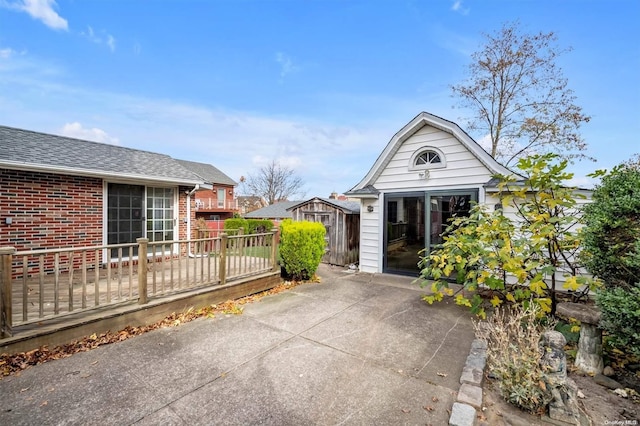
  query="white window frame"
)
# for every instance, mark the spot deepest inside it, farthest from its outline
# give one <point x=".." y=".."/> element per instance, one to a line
<point x="414" y="158"/>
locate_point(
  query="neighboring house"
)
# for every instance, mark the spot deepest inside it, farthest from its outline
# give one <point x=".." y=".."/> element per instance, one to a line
<point x="249" y="203"/>
<point x="276" y="212"/>
<point x="217" y="203"/>
<point x="62" y="192"/>
<point x="430" y="171"/>
<point x="341" y="220"/>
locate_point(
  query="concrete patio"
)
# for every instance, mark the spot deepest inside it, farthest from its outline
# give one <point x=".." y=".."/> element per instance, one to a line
<point x="353" y="349"/>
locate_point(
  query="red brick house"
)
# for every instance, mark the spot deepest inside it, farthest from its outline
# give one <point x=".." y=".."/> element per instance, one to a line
<point x="219" y="202"/>
<point x="61" y="192"/>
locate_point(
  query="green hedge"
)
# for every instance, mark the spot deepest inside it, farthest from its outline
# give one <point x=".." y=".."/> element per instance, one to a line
<point x="611" y="248"/>
<point x="249" y="226"/>
<point x="621" y="317"/>
<point x="302" y="245"/>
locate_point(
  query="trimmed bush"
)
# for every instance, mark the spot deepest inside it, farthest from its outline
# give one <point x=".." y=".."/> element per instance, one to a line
<point x="249" y="226"/>
<point x="302" y="245"/>
<point x="258" y="226"/>
<point x="236" y="223"/>
<point x="621" y="317"/>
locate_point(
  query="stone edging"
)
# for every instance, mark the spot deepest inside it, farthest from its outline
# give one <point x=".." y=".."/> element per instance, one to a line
<point x="469" y="400"/>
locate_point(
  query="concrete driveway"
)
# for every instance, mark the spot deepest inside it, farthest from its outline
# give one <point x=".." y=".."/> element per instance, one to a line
<point x="354" y="349"/>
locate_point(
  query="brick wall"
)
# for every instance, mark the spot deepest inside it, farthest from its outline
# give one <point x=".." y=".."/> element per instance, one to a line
<point x="49" y="210"/>
<point x="182" y="215"/>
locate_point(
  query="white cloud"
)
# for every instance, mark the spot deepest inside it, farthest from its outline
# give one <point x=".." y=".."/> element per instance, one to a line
<point x="107" y="39"/>
<point x="42" y="10"/>
<point x="328" y="154"/>
<point x="75" y="130"/>
<point x="458" y="7"/>
<point x="6" y="53"/>
<point x="286" y="64"/>
<point x="111" y="42"/>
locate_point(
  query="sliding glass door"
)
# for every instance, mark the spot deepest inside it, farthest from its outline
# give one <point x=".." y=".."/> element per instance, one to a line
<point x="415" y="223"/>
<point x="126" y="208"/>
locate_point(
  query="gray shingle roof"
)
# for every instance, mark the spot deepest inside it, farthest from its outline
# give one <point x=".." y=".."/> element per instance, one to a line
<point x="367" y="190"/>
<point x="346" y="205"/>
<point x="24" y="149"/>
<point x="273" y="211"/>
<point x="209" y="173"/>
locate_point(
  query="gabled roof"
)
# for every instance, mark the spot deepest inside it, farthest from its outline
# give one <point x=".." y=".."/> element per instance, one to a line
<point x="209" y="173"/>
<point x="273" y="211"/>
<point x="41" y="152"/>
<point x="344" y="205"/>
<point x="365" y="186"/>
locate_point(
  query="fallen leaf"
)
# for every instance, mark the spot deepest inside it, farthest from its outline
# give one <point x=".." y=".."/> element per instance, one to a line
<point x="442" y="374"/>
<point x="435" y="399"/>
<point x="24" y="390"/>
<point x="44" y="403"/>
<point x="406" y="410"/>
<point x="428" y="408"/>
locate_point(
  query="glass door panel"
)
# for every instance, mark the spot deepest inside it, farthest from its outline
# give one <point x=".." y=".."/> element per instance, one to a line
<point x="124" y="214"/>
<point x="404" y="232"/>
<point x="417" y="221"/>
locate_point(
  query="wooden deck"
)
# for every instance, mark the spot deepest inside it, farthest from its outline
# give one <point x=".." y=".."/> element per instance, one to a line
<point x="39" y="298"/>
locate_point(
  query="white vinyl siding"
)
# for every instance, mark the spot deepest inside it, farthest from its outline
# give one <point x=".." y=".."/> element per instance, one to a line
<point x="463" y="171"/>
<point x="462" y="167"/>
<point x="370" y="246"/>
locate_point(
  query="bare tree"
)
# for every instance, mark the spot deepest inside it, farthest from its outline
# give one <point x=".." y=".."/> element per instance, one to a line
<point x="274" y="182"/>
<point x="520" y="98"/>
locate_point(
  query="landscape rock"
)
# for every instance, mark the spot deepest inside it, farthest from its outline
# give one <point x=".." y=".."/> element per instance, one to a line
<point x="608" y="371"/>
<point x="605" y="381"/>
<point x="621" y="392"/>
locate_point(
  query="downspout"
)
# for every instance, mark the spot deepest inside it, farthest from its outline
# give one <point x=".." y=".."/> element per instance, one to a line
<point x="189" y="194"/>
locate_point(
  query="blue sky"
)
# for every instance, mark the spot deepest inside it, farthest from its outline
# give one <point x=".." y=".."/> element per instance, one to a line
<point x="319" y="85"/>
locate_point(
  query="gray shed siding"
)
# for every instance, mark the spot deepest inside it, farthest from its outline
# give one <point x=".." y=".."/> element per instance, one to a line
<point x="342" y="226"/>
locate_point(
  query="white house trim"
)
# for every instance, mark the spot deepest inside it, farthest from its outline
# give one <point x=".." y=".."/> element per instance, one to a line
<point x="421" y="120"/>
<point x="404" y="207"/>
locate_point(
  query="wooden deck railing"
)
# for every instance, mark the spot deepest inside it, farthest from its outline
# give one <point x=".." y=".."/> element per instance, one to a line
<point x="41" y="284"/>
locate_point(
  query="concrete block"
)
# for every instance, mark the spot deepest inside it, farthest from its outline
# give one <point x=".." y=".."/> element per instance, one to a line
<point x="462" y="415"/>
<point x="475" y="360"/>
<point x="471" y="376"/>
<point x="479" y="344"/>
<point x="471" y="395"/>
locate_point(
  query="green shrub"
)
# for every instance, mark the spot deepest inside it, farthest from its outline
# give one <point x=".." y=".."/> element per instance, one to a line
<point x="518" y="257"/>
<point x="620" y="309"/>
<point x="249" y="226"/>
<point x="302" y="245"/>
<point x="611" y="244"/>
<point x="236" y="223"/>
<point x="257" y="226"/>
<point x="513" y="355"/>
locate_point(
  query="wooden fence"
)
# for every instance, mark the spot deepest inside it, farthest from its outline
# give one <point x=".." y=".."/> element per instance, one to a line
<point x="38" y="285"/>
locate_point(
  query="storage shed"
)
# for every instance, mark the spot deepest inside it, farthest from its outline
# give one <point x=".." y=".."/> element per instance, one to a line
<point x="341" y="219"/>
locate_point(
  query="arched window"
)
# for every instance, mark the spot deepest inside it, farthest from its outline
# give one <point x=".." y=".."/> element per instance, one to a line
<point x="427" y="158"/>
